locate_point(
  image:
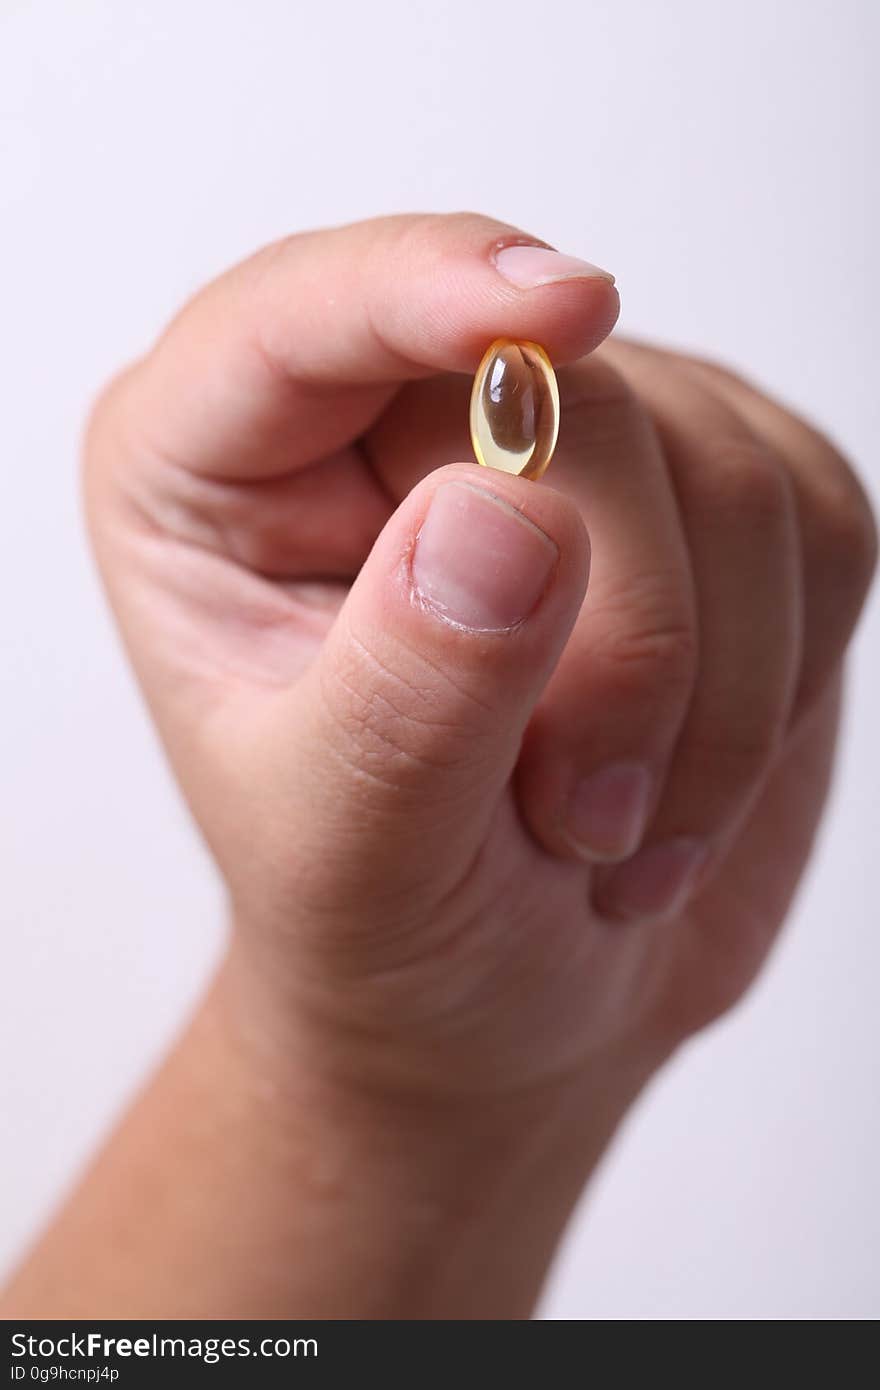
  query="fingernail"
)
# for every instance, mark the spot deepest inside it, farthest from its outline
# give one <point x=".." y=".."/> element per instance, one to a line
<point x="478" y="562"/>
<point x="527" y="267"/>
<point x="655" y="882"/>
<point x="607" y="811"/>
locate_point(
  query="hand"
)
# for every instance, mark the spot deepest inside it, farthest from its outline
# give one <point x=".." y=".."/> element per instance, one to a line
<point x="493" y="848"/>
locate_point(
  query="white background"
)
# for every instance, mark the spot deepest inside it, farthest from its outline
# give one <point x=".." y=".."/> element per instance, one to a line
<point x="719" y="158"/>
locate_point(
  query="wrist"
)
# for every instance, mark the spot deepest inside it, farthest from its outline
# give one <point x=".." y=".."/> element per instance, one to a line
<point x="458" y="1199"/>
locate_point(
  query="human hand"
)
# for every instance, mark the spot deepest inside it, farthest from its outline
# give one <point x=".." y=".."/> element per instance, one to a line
<point x="383" y="689"/>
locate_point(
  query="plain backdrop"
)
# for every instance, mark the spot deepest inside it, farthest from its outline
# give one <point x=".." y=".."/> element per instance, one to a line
<point x="721" y="160"/>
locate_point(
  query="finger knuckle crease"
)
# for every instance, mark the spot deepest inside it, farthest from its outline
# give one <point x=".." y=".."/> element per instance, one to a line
<point x="667" y="652"/>
<point x="744" y="479"/>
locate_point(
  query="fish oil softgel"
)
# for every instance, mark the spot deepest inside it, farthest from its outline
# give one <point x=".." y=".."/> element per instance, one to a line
<point x="515" y="408"/>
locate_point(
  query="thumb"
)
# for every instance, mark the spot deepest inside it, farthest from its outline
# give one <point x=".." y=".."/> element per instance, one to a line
<point x="402" y="735"/>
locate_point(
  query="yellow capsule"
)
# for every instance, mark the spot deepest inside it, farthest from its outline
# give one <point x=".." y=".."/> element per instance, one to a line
<point x="515" y="409"/>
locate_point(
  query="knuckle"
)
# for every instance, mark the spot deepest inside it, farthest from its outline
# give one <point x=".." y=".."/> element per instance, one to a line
<point x="427" y="233"/>
<point x="847" y="527"/>
<point x="595" y="381"/>
<point x="666" y="653"/>
<point x="600" y="407"/>
<point x="648" y="638"/>
<point x="715" y="369"/>
<point x="745" y="481"/>
<point x="465" y="219"/>
<point x="409" y="232"/>
<point x="836" y="512"/>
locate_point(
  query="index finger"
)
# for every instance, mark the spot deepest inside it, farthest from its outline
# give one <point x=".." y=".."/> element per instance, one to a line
<point x="295" y="351"/>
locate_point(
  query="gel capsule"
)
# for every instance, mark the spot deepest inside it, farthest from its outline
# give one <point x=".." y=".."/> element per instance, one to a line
<point x="515" y="409"/>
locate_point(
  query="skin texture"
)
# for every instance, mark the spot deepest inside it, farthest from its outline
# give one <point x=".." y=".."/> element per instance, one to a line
<point x="438" y="1002"/>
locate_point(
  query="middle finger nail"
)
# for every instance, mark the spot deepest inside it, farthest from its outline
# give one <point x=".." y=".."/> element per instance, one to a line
<point x="607" y="811"/>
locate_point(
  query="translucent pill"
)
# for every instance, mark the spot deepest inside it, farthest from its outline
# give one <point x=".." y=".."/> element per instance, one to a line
<point x="515" y="409"/>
